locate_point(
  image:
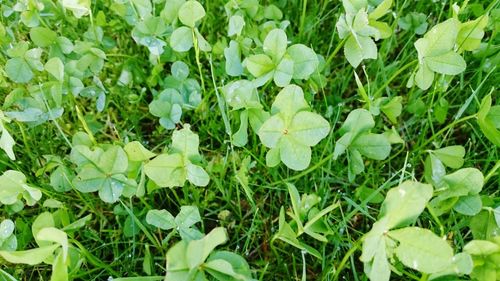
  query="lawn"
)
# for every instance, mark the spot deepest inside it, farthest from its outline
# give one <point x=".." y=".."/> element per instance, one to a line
<point x="185" y="140"/>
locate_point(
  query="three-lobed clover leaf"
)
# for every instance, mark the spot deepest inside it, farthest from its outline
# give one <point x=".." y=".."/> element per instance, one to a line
<point x="167" y="106"/>
<point x="360" y="28"/>
<point x="23" y="61"/>
<point x="180" y="164"/>
<point x="193" y="260"/>
<point x="53" y="248"/>
<point x="390" y="237"/>
<point x="183" y="223"/>
<point x="358" y="141"/>
<point x="103" y="170"/>
<point x="281" y="63"/>
<point x="292" y="130"/>
<point x="416" y="22"/>
<point x="243" y="97"/>
<point x="436" y="54"/>
<point x="14" y="187"/>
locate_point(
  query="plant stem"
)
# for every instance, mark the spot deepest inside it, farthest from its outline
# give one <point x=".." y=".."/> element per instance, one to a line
<point x="396" y="74"/>
<point x="303" y="17"/>
<point x="449" y="126"/>
<point x="492" y="171"/>
<point x="344" y="260"/>
<point x="334" y="53"/>
<point x="197" y="56"/>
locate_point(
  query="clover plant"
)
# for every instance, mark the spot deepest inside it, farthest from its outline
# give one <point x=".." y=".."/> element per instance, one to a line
<point x="358" y="141"/>
<point x="359" y="27"/>
<point x="292" y="130"/>
<point x="280" y="62"/>
<point x="181" y="163"/>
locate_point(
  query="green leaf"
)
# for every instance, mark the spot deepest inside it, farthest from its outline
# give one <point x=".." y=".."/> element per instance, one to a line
<point x="137" y="152"/>
<point x="356" y="49"/>
<point x="14" y="187"/>
<point x="488" y="127"/>
<point x="42" y="37"/>
<point x="308" y="128"/>
<point x="438" y="40"/>
<point x="294" y="155"/>
<point x="258" y="65"/>
<point x="373" y="146"/>
<point x="6" y="141"/>
<point x="404" y="203"/>
<point x="196" y="175"/>
<point x="469" y="205"/>
<point x="451" y="156"/>
<point x="471" y="32"/>
<point x="166" y="170"/>
<point x="466" y="181"/>
<point x="234" y="67"/>
<point x="186" y="142"/>
<point x="381" y="9"/>
<point x="424" y="77"/>
<point x="289" y="101"/>
<point x="236" y="24"/>
<point x="79" y="8"/>
<point x="359" y="120"/>
<point x="275" y="44"/>
<point x="422" y="250"/>
<point x="18" y="70"/>
<point x="449" y="63"/>
<point x="55" y="67"/>
<point x="30" y="257"/>
<point x="191" y="12"/>
<point x="305" y="61"/>
<point x="284" y="72"/>
<point x="481" y="248"/>
<point x="162" y="219"/>
<point x="181" y="39"/>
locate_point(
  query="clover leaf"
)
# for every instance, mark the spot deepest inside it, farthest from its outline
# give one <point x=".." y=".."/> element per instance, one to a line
<point x="188" y="88"/>
<point x="14" y="187"/>
<point x="489" y="120"/>
<point x="103" y="171"/>
<point x="180" y="164"/>
<point x="357" y="141"/>
<point x="243" y="98"/>
<point x="281" y="63"/>
<point x="183" y="223"/>
<point x="485" y="254"/>
<point x="19" y="68"/>
<point x="417" y="248"/>
<point x="167" y="106"/>
<point x="8" y="241"/>
<point x="292" y="130"/>
<point x="6" y="141"/>
<point x="184" y="37"/>
<point x="414" y="21"/>
<point x="53" y="248"/>
<point x="470" y="34"/>
<point x="360" y="29"/>
<point x="196" y="258"/>
<point x="436" y="54"/>
<point x="79" y="8"/>
<point x="148" y="33"/>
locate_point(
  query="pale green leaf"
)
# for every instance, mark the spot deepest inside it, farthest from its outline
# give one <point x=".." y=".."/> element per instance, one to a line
<point x="373" y="146"/>
<point x="422" y="250"/>
<point x="451" y="156"/>
<point x="55" y="67"/>
<point x="258" y="65"/>
<point x="166" y="170"/>
<point x="305" y="61"/>
<point x="18" y="70"/>
<point x="294" y="155"/>
<point x="162" y="219"/>
<point x="275" y="44"/>
<point x="404" y="203"/>
<point x="137" y="152"/>
<point x="449" y="63"/>
<point x="197" y="175"/>
<point x="308" y="128"/>
<point x="181" y="39"/>
<point x="191" y="12"/>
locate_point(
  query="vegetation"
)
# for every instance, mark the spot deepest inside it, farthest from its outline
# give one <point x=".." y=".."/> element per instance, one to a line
<point x="249" y="140"/>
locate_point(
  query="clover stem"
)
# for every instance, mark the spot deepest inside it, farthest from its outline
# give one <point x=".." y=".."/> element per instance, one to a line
<point x="492" y="171"/>
<point x="334" y="53"/>
<point x="344" y="260"/>
<point x="396" y="74"/>
<point x="303" y="17"/>
<point x="197" y="56"/>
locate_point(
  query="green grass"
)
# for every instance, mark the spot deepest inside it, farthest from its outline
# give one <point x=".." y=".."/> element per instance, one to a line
<point x="105" y="249"/>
